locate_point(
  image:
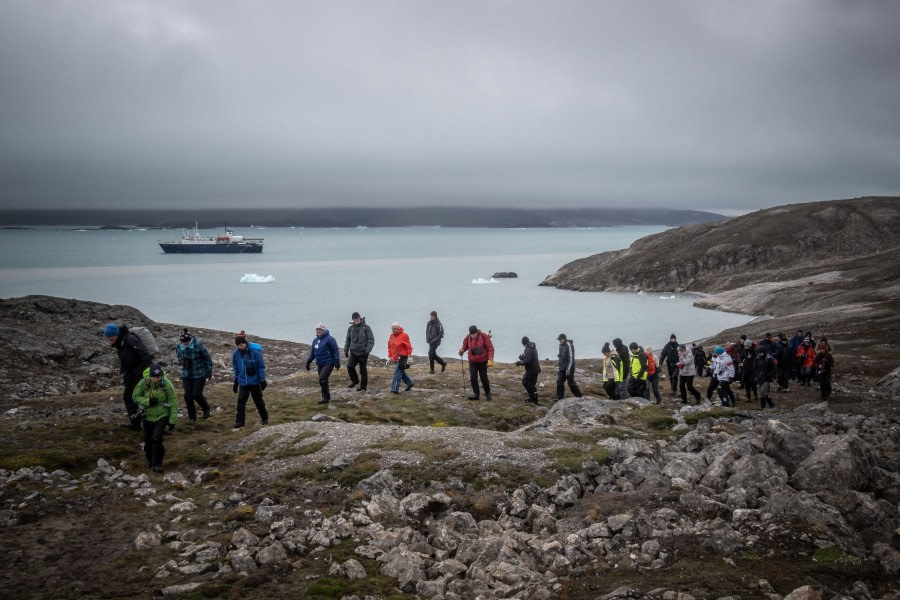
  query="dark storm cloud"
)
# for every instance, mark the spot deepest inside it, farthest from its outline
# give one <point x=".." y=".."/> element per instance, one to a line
<point x="704" y="105"/>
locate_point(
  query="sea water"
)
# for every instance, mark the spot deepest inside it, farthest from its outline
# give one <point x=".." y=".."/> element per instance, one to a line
<point x="306" y="276"/>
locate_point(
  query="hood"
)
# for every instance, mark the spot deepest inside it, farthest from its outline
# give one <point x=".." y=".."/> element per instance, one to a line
<point x="325" y="334"/>
<point x="399" y="330"/>
<point x="531" y="345"/>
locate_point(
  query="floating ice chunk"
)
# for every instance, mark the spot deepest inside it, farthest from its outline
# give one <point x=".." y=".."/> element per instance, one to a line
<point x="254" y="278"/>
<point x="481" y="280"/>
<point x="672" y="297"/>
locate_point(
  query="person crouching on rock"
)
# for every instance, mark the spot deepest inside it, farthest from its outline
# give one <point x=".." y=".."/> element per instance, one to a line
<point x="249" y="379"/>
<point x="155" y="395"/>
<point x="529" y="360"/>
<point x="324" y="350"/>
<point x="399" y="350"/>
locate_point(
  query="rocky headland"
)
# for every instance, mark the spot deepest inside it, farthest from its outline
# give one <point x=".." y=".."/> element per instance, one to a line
<point x="427" y="495"/>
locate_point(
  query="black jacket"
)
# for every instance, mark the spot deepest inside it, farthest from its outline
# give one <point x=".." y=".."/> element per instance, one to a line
<point x="434" y="331"/>
<point x="133" y="357"/>
<point x="360" y="339"/>
<point x="567" y="357"/>
<point x="669" y="354"/>
<point x="529" y="359"/>
<point x="764" y="369"/>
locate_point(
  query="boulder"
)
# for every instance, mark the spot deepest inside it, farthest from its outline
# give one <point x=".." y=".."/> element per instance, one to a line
<point x="406" y="567"/>
<point x="271" y="554"/>
<point x="242" y="561"/>
<point x="839" y="462"/>
<point x="789" y="505"/>
<point x="787" y="445"/>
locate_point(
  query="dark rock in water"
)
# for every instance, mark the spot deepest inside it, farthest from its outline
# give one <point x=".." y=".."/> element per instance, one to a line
<point x="504" y="275"/>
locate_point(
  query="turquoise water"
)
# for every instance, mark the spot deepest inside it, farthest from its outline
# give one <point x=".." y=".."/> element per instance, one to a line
<point x="387" y="274"/>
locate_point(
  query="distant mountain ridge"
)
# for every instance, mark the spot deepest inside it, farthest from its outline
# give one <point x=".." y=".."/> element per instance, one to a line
<point x="461" y="216"/>
<point x="774" y="244"/>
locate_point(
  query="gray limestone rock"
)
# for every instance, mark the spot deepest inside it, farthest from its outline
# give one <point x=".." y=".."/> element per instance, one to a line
<point x="788" y="445"/>
<point x="839" y="462"/>
<point x="408" y="568"/>
<point x="243" y="538"/>
<point x="242" y="561"/>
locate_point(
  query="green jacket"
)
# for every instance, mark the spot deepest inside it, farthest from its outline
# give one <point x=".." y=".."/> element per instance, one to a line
<point x="166" y="401"/>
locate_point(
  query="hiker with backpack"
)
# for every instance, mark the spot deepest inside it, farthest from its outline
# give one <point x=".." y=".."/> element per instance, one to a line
<point x="324" y="350"/>
<point x="249" y="378"/>
<point x="637" y="361"/>
<point x="196" y="370"/>
<point x="481" y="356"/>
<point x="613" y="372"/>
<point x="134" y="357"/>
<point x="155" y="395"/>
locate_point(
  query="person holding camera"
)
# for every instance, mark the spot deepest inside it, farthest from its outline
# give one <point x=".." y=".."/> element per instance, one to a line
<point x="155" y="396"/>
<point x="399" y="351"/>
<point x="196" y="370"/>
<point x="529" y="360"/>
<point x="249" y="378"/>
<point x="324" y="350"/>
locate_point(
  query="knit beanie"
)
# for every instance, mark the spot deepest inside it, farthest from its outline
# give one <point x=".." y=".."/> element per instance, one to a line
<point x="606" y="348"/>
<point x="240" y="338"/>
<point x="473" y="330"/>
<point x="185" y="336"/>
<point x="111" y="330"/>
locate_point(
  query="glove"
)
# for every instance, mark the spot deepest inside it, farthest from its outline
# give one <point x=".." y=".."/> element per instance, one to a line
<point x="171" y="426"/>
<point x="153" y="401"/>
<point x="209" y="377"/>
<point x="490" y="363"/>
<point x="680" y="365"/>
<point x="263" y="385"/>
<point x="234" y="387"/>
<point x="346" y="354"/>
<point x="461" y="351"/>
<point x="337" y="365"/>
<point x="518" y="363"/>
<point x="307" y="366"/>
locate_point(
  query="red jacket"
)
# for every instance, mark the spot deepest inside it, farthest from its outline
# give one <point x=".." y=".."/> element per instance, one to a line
<point x="651" y="363"/>
<point x="481" y="349"/>
<point x="399" y="345"/>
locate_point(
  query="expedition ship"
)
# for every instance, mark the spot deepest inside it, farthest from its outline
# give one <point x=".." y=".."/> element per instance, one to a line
<point x="194" y="243"/>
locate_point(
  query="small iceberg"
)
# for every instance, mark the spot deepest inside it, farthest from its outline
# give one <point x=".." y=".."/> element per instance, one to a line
<point x="482" y="280"/>
<point x="254" y="278"/>
<point x="672" y="297"/>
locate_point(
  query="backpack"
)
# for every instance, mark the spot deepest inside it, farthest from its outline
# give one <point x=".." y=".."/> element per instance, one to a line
<point x="147" y="339"/>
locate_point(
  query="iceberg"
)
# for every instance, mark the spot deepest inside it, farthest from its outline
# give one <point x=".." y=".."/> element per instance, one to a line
<point x="481" y="280"/>
<point x="672" y="297"/>
<point x="254" y="278"/>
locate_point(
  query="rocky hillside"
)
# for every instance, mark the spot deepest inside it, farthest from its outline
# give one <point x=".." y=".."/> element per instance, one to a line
<point x="830" y="267"/>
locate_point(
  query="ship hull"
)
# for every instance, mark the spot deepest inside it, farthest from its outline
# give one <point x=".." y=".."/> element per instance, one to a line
<point x="232" y="248"/>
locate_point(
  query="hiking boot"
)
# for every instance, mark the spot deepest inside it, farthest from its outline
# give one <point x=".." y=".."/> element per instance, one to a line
<point x="395" y="392"/>
<point x="324" y="401"/>
<point x="206" y="414"/>
<point x="409" y="387"/>
<point x="353" y="384"/>
<point x="471" y="397"/>
<point x="157" y="469"/>
<point x="431" y="372"/>
<point x="192" y="421"/>
<point x="488" y="397"/>
<point x="237" y="426"/>
<point x="362" y="389"/>
<point x="264" y="422"/>
<point x="443" y="367"/>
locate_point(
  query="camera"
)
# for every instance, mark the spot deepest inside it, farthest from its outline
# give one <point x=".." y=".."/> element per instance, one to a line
<point x="137" y="416"/>
<point x="251" y="369"/>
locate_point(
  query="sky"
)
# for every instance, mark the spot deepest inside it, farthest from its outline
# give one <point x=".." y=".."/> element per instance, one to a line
<point x="694" y="104"/>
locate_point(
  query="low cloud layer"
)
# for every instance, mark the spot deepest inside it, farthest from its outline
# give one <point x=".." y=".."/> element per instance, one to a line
<point x="698" y="104"/>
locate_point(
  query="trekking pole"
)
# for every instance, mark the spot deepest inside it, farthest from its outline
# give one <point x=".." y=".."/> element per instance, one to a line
<point x="462" y="369"/>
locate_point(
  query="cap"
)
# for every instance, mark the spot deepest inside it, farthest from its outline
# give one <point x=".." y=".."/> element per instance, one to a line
<point x="525" y="340"/>
<point x="355" y="315"/>
<point x="473" y="329"/>
<point x="434" y="313"/>
<point x="395" y="324"/>
<point x="185" y="336"/>
<point x="682" y="347"/>
<point x="155" y="370"/>
<point x="748" y="344"/>
<point x="111" y="330"/>
<point x="633" y="346"/>
<point x="240" y="338"/>
<point x="561" y="336"/>
<point x="672" y="337"/>
<point x="606" y="348"/>
<point x="320" y="326"/>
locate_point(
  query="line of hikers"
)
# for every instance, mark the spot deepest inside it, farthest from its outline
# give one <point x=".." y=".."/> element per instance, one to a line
<point x="152" y="405"/>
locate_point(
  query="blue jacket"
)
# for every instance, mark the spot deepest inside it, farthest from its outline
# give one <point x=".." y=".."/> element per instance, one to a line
<point x="194" y="360"/>
<point x="324" y="350"/>
<point x="250" y="360"/>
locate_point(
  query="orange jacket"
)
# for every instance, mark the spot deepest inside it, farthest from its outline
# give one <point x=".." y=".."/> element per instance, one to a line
<point x="806" y="355"/>
<point x="399" y="345"/>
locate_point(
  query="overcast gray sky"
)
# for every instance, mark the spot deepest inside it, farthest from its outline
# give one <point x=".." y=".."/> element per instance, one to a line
<point x="712" y="105"/>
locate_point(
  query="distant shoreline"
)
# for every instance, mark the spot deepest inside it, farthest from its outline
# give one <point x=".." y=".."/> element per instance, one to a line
<point x="355" y="217"/>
